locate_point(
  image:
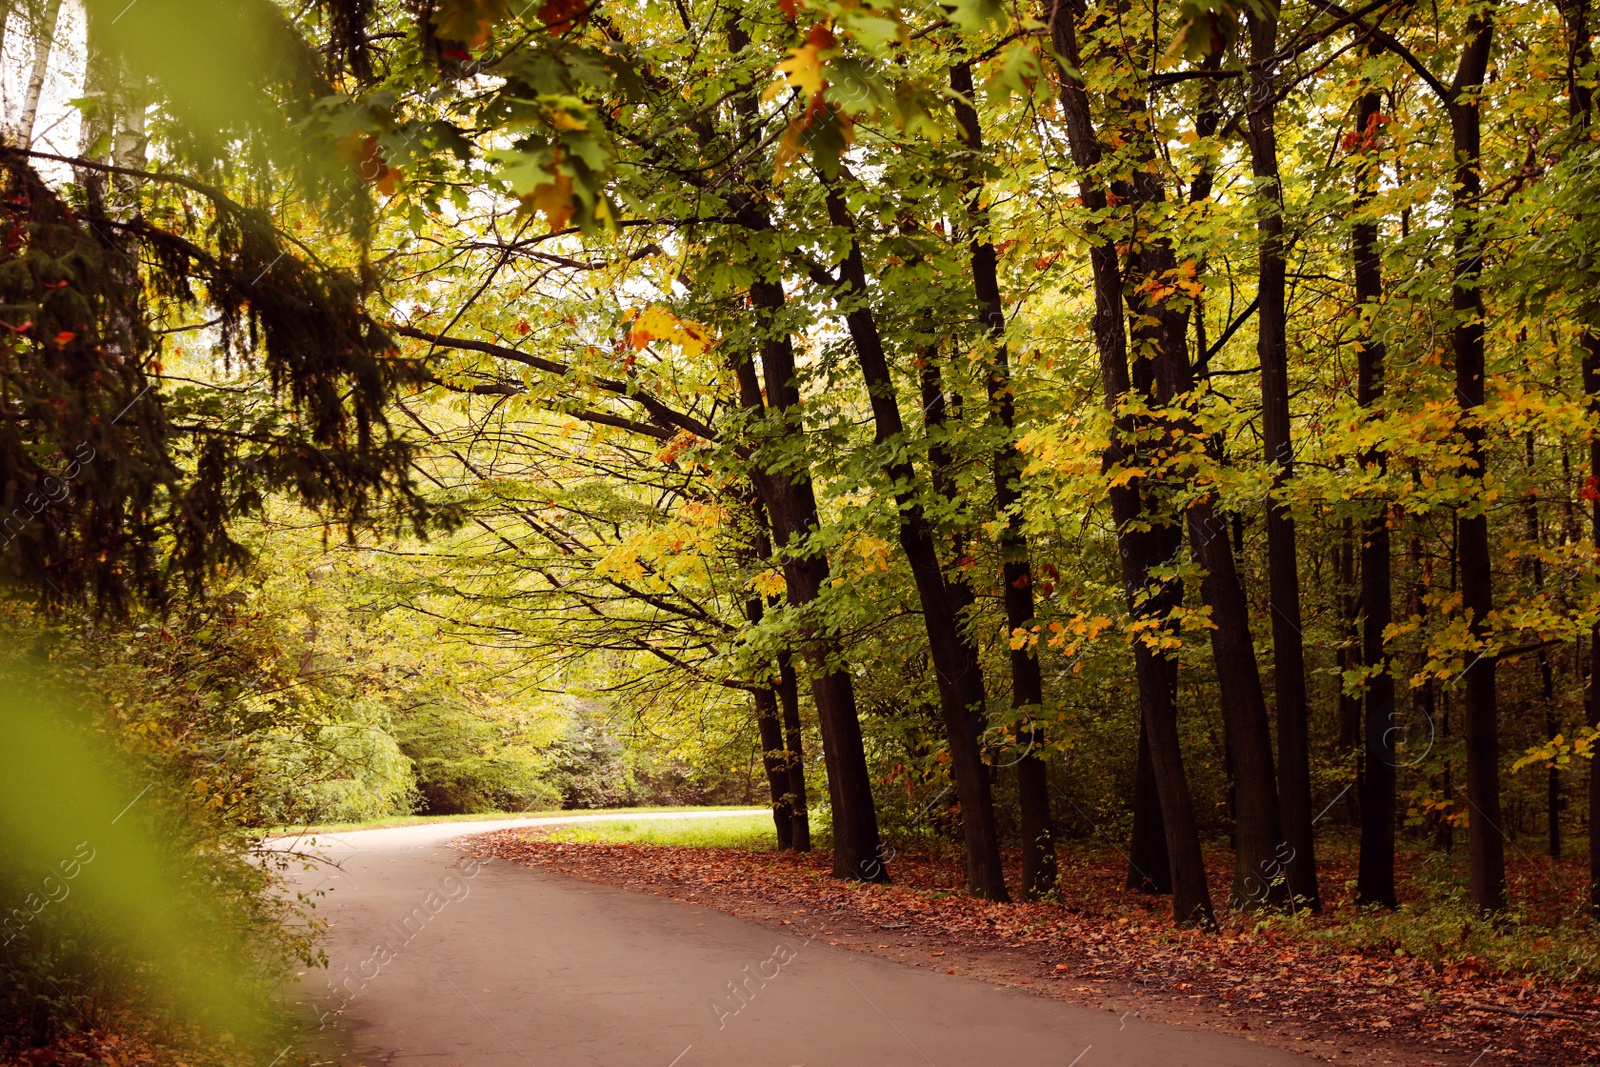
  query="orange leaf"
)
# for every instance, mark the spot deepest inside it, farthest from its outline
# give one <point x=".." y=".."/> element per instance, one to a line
<point x="470" y="21"/>
<point x="553" y="199"/>
<point x="560" y="15"/>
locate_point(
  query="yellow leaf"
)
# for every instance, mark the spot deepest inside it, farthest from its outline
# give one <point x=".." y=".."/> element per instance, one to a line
<point x="658" y="324"/>
<point x="803" y="70"/>
<point x="769" y="583"/>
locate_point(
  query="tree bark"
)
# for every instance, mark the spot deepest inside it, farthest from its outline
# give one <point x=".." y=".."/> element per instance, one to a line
<point x="1161" y="338"/>
<point x="1148" y="864"/>
<point x="1485" y="838"/>
<point x="770" y="726"/>
<point x="1261" y="852"/>
<point x="1580" y="105"/>
<point x="1547" y="682"/>
<point x="1375" y="868"/>
<point x="1027" y="686"/>
<point x="1272" y="346"/>
<point x="958" y="674"/>
<point x="794" y="751"/>
<point x="1591" y="386"/>
<point x="1349" y="657"/>
<point x="44" y="42"/>
<point x="1139" y="549"/>
<point x="792" y="507"/>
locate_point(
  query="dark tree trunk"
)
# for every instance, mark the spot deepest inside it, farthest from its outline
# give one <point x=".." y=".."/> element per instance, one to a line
<point x="1349" y="657"/>
<point x="1161" y="338"/>
<point x="955" y="660"/>
<point x="1580" y="104"/>
<point x="773" y="759"/>
<point x="769" y="725"/>
<point x="1272" y="346"/>
<point x="1375" y="870"/>
<point x="1260" y="852"/>
<point x="795" y="756"/>
<point x="1191" y="899"/>
<point x="1485" y="839"/>
<point x="1591" y="386"/>
<point x="792" y="508"/>
<point x="1027" y="686"/>
<point x="1148" y="864"/>
<point x="1547" y="682"/>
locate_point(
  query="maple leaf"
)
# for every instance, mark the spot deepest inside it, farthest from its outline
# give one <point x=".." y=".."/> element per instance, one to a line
<point x="470" y="21"/>
<point x="363" y="152"/>
<point x="803" y="70"/>
<point x="659" y="324"/>
<point x="552" y="199"/>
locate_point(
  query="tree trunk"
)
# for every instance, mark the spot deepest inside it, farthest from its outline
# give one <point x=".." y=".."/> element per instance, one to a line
<point x="1148" y="864"/>
<point x="1191" y="897"/>
<point x="955" y="660"/>
<point x="1375" y="869"/>
<point x="770" y="726"/>
<point x="1161" y="338"/>
<point x="792" y="507"/>
<point x="1547" y="682"/>
<point x="1261" y="852"/>
<point x="1027" y="686"/>
<point x="1485" y="839"/>
<point x="1272" y="346"/>
<point x="44" y="35"/>
<point x="1349" y="656"/>
<point x="794" y="752"/>
<point x="1580" y="105"/>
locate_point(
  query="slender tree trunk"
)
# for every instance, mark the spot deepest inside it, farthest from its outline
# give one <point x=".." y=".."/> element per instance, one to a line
<point x="1349" y="656"/>
<point x="1580" y="105"/>
<point x="1272" y="346"/>
<point x="1161" y="337"/>
<point x="1148" y="864"/>
<point x="1547" y="682"/>
<point x="792" y="507"/>
<point x="770" y="726"/>
<point x="1261" y="852"/>
<point x="1485" y="837"/>
<point x="1027" y="686"/>
<point x="955" y="660"/>
<point x="1139" y="549"/>
<point x="795" y="757"/>
<point x="44" y="41"/>
<point x="1425" y="701"/>
<point x="1375" y="870"/>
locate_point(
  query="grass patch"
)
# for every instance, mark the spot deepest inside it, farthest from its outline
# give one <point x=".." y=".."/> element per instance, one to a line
<point x="482" y="816"/>
<point x="753" y="832"/>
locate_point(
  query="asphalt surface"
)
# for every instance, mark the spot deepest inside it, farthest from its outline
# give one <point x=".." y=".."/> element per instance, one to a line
<point x="437" y="959"/>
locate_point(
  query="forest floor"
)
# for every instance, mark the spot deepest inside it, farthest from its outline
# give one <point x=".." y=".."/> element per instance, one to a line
<point x="1298" y="984"/>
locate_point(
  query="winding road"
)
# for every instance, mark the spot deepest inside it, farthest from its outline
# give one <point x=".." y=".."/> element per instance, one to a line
<point x="438" y="959"/>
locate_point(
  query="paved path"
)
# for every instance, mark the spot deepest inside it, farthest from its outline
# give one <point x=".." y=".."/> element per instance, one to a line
<point x="438" y="960"/>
